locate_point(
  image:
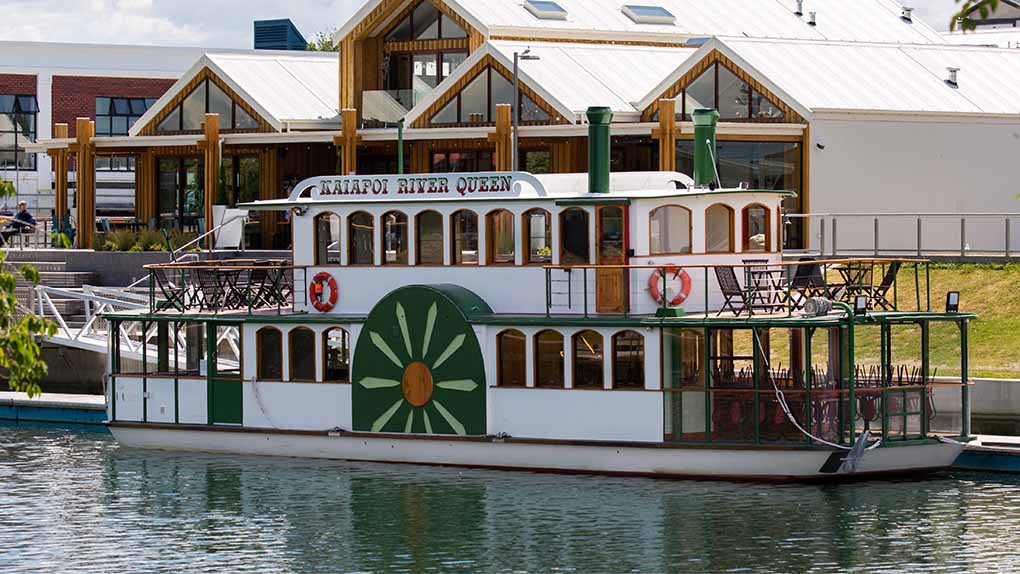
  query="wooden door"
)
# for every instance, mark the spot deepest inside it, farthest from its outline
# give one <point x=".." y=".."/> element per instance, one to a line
<point x="611" y="249"/>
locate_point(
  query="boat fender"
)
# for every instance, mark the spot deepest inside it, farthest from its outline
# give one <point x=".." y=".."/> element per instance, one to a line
<point x="657" y="284"/>
<point x="317" y="292"/>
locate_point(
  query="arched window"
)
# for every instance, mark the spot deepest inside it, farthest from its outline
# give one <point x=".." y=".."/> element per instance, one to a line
<point x="538" y="237"/>
<point x="757" y="224"/>
<point x="327" y="239"/>
<point x="719" y="229"/>
<point x="360" y="238"/>
<point x="465" y="237"/>
<point x="628" y="360"/>
<point x="394" y="227"/>
<point x="549" y="360"/>
<point x="575" y="242"/>
<point x="269" y="354"/>
<point x="669" y="230"/>
<point x="511" y="358"/>
<point x="336" y="353"/>
<point x="428" y="230"/>
<point x="301" y="342"/>
<point x="500" y="238"/>
<point x="589" y="361"/>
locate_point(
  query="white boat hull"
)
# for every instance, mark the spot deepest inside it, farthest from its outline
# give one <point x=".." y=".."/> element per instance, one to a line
<point x="764" y="464"/>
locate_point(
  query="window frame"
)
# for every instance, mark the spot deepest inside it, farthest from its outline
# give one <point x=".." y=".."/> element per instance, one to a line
<point x="234" y="106"/>
<point x="732" y="232"/>
<point x="745" y="218"/>
<point x="32" y="158"/>
<point x="574" y="360"/>
<point x="352" y="245"/>
<point x="418" y="242"/>
<point x="453" y="240"/>
<point x="325" y="355"/>
<point x="561" y="234"/>
<point x="490" y="237"/>
<point x="522" y="96"/>
<point x="291" y="334"/>
<point x="536" y="338"/>
<point x="690" y="231"/>
<point x="406" y="242"/>
<point x="615" y="358"/>
<point x="500" y="363"/>
<point x="339" y="251"/>
<point x="526" y="235"/>
<point x="685" y="115"/>
<point x="259" y="354"/>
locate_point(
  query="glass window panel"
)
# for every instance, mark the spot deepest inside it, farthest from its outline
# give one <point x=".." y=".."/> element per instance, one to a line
<point x="171" y="123"/>
<point x="719" y="229"/>
<point x="118" y="126"/>
<point x="462" y="162"/>
<point x="549" y="359"/>
<point x="451" y="29"/>
<point x="401" y="32"/>
<point x="395" y="240"/>
<point x="327" y="239"/>
<point x="575" y="242"/>
<point x="734" y="96"/>
<point x="465" y="237"/>
<point x="7" y="104"/>
<point x="756" y="228"/>
<point x="103" y="163"/>
<point x="536" y="161"/>
<point x="474" y="100"/>
<point x="102" y="106"/>
<point x="429" y="229"/>
<point x="138" y="107"/>
<point x="700" y="93"/>
<point x="337" y="351"/>
<point x="425" y="75"/>
<point x="193" y="109"/>
<point x="447" y="115"/>
<point x="243" y="121"/>
<point x="530" y="112"/>
<point x="103" y="125"/>
<point x="538" y="231"/>
<point x="501" y="239"/>
<point x="121" y="106"/>
<point x="589" y="360"/>
<point x="763" y="109"/>
<point x="502" y="90"/>
<point x="628" y="360"/>
<point x="220" y="103"/>
<point x="302" y="354"/>
<point x="269" y="350"/>
<point x="611" y="235"/>
<point x="361" y="239"/>
<point x="670" y="230"/>
<point x="149" y="102"/>
<point x="248" y="185"/>
<point x="451" y="61"/>
<point x="484" y="161"/>
<point x="512" y="358"/>
<point x="28" y="104"/>
<point x="425" y="21"/>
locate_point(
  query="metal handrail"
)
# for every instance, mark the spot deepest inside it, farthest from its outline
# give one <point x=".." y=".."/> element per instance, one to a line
<point x="173" y="252"/>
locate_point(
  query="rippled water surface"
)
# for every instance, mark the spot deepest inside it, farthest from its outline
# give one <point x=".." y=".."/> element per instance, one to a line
<point x="73" y="501"/>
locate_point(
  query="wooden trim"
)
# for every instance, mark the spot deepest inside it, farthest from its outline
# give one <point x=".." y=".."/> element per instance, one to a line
<point x="417" y="238"/>
<point x="258" y="351"/>
<point x="745" y="219"/>
<point x="490" y="238"/>
<point x="690" y="230"/>
<point x="315" y="237"/>
<point x="178" y="99"/>
<point x="499" y="360"/>
<point x="516" y="38"/>
<point x="526" y="235"/>
<point x="290" y="355"/>
<point x="573" y="361"/>
<point x="535" y="357"/>
<point x="733" y="243"/>
<point x="453" y="238"/>
<point x="407" y="239"/>
<point x="612" y="362"/>
<point x="422" y="46"/>
<point x="704" y="64"/>
<point x="350" y="241"/>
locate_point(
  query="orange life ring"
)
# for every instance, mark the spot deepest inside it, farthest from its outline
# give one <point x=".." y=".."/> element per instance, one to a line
<point x="658" y="278"/>
<point x="316" y="292"/>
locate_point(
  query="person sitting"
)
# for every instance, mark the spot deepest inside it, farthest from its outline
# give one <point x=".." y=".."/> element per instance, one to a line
<point x="23" y="222"/>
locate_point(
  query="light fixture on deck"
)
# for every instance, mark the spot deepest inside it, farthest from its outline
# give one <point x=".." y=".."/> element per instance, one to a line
<point x="953" y="302"/>
<point x="861" y="305"/>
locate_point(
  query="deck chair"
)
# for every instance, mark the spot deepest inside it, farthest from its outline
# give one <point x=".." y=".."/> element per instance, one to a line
<point x="808" y="282"/>
<point x="732" y="292"/>
<point x="877" y="294"/>
<point x="174" y="295"/>
<point x="209" y="288"/>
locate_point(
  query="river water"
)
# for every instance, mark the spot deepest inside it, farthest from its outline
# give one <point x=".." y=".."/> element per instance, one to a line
<point x="73" y="501"/>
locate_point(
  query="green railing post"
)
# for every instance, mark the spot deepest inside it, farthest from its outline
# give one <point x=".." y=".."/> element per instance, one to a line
<point x="707" y="375"/>
<point x="706" y="292"/>
<point x="886" y="359"/>
<point x="809" y="333"/>
<point x="917" y="285"/>
<point x="927" y="282"/>
<point x="851" y="365"/>
<point x="965" y="380"/>
<point x="756" y="359"/>
<point x="584" y="289"/>
<point x="548" y="292"/>
<point x="925" y="367"/>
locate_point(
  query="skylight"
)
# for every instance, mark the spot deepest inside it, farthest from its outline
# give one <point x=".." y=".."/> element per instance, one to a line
<point x="545" y="9"/>
<point x="643" y="14"/>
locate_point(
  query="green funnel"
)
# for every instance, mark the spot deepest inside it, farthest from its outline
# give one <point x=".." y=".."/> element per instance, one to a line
<point x="704" y="146"/>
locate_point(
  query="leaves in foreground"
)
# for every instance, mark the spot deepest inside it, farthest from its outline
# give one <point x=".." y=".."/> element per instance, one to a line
<point x="20" y="353"/>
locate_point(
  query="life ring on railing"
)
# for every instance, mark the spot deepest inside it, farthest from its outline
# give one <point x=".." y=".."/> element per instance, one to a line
<point x="658" y="283"/>
<point x="317" y="292"/>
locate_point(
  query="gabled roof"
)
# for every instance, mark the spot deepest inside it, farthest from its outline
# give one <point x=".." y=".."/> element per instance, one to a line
<point x="867" y="77"/>
<point x="282" y="87"/>
<point x="992" y="37"/>
<point x="573" y="77"/>
<point x="603" y="20"/>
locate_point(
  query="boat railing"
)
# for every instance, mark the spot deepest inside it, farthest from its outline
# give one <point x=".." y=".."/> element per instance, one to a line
<point x="880" y="284"/>
<point x="214" y="286"/>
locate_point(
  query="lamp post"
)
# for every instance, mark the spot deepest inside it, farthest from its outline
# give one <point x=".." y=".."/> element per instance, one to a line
<point x="518" y="56"/>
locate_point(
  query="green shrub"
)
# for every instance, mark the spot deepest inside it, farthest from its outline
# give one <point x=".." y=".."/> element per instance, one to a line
<point x="151" y="240"/>
<point x="122" y="240"/>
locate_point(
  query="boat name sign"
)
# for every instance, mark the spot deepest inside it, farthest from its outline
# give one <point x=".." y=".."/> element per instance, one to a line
<point x="485" y="185"/>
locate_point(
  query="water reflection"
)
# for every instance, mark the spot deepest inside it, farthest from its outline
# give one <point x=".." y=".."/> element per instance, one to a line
<point x="75" y="502"/>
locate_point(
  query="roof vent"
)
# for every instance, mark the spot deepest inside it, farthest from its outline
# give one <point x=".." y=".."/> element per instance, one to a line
<point x="800" y="8"/>
<point x="641" y="14"/>
<point x="952" y="79"/>
<point x="545" y="9"/>
<point x="908" y="14"/>
<point x="812" y="19"/>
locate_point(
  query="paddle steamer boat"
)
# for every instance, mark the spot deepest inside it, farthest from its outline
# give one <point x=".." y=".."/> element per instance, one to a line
<point x="625" y="323"/>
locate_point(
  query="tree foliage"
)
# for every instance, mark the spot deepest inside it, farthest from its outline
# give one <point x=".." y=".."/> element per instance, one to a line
<point x="965" y="20"/>
<point x="20" y="329"/>
<point x="323" y="42"/>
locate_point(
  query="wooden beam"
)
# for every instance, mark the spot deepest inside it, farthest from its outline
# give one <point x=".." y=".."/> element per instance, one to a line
<point x="85" y="190"/>
<point x="503" y="138"/>
<point x="211" y="147"/>
<point x="666" y="134"/>
<point x="60" y="166"/>
<point x="348" y="141"/>
<point x="269" y="188"/>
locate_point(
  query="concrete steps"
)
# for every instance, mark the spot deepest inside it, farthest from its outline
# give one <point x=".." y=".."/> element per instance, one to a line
<point x="51" y="274"/>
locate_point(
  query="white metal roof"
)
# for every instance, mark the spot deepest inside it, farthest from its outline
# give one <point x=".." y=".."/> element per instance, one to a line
<point x="296" y="88"/>
<point x="849" y="20"/>
<point x="864" y="77"/>
<point x="998" y="37"/>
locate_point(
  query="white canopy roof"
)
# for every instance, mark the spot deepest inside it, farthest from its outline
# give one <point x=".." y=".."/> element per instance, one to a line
<point x="284" y="88"/>
<point x="993" y="37"/>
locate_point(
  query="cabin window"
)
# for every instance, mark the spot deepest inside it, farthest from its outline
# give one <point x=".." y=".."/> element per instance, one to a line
<point x="589" y="361"/>
<point x="302" y="354"/>
<point x="269" y="350"/>
<point x="461" y="161"/>
<point x="499" y="233"/>
<point x="670" y="230"/>
<point x="465" y="237"/>
<point x="611" y="236"/>
<point x="429" y="235"/>
<point x="538" y="235"/>
<point x="327" y="239"/>
<point x="549" y="360"/>
<point x="719" y="229"/>
<point x="361" y="239"/>
<point x="512" y="358"/>
<point x="685" y="399"/>
<point x="757" y="228"/>
<point x="575" y="243"/>
<point x="336" y="352"/>
<point x="395" y="240"/>
<point x="628" y="360"/>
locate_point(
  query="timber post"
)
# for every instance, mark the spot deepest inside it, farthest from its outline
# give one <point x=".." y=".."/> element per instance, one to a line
<point x="211" y="146"/>
<point x="503" y="138"/>
<point x="60" y="167"/>
<point x="667" y="133"/>
<point x="85" y="190"/>
<point x="347" y="141"/>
